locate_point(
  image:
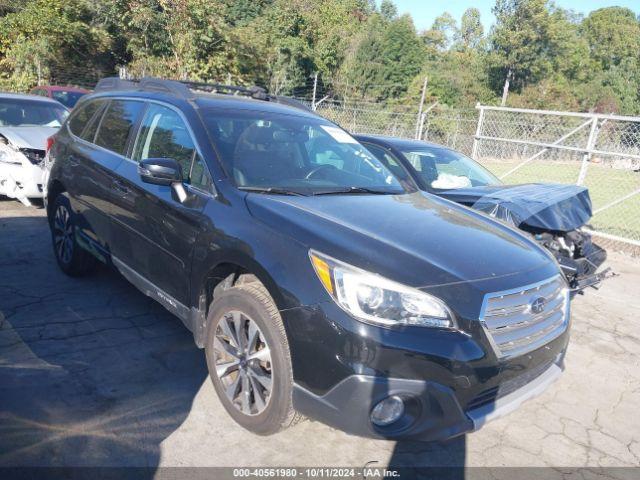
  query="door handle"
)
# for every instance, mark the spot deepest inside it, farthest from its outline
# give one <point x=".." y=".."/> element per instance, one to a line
<point x="121" y="188"/>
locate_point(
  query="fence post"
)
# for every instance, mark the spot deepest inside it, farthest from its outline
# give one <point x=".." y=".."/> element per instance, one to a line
<point x="315" y="87"/>
<point x="476" y="140"/>
<point x="593" y="134"/>
<point x="419" y="119"/>
<point x="421" y="130"/>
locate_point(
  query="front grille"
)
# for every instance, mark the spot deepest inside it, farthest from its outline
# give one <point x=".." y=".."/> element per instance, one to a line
<point x="35" y="156"/>
<point x="521" y="320"/>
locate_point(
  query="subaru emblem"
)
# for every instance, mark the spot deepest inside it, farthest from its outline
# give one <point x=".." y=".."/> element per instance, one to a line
<point x="537" y="306"/>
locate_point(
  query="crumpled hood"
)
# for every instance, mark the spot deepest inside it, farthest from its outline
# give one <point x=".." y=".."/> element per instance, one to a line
<point x="544" y="206"/>
<point x="28" y="137"/>
<point x="442" y="241"/>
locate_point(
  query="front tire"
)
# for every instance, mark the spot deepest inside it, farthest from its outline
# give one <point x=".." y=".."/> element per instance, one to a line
<point x="72" y="259"/>
<point x="248" y="359"/>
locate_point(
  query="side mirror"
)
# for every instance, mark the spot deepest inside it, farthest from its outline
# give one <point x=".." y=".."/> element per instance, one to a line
<point x="160" y="171"/>
<point x="164" y="171"/>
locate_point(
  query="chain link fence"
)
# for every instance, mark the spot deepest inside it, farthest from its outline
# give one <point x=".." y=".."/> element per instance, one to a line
<point x="601" y="152"/>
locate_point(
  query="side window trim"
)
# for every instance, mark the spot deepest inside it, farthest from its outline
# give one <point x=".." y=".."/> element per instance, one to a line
<point x="98" y="113"/>
<point x="105" y="109"/>
<point x="89" y="122"/>
<point x="135" y="132"/>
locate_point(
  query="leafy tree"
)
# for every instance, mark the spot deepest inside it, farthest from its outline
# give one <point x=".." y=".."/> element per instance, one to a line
<point x="471" y="31"/>
<point x="443" y="31"/>
<point x="613" y="35"/>
<point x="49" y="36"/>
<point x="387" y="57"/>
<point x="388" y="10"/>
<point x="526" y="42"/>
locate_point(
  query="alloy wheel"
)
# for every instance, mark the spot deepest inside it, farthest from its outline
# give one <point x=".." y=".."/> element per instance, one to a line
<point x="243" y="362"/>
<point x="63" y="234"/>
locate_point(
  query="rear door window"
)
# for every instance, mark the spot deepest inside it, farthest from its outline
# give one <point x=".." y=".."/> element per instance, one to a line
<point x="117" y="123"/>
<point x="82" y="116"/>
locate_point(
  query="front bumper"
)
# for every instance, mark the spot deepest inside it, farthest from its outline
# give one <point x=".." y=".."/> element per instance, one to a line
<point x="452" y="382"/>
<point x="432" y="410"/>
<point x="22" y="181"/>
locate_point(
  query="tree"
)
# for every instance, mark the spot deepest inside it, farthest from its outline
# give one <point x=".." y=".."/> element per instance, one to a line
<point x="50" y="37"/>
<point x="386" y="57"/>
<point x="440" y="36"/>
<point x="524" y="43"/>
<point x="471" y="30"/>
<point x="613" y="35"/>
<point x="388" y="10"/>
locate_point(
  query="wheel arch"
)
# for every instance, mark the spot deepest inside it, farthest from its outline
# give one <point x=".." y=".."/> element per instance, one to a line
<point x="226" y="274"/>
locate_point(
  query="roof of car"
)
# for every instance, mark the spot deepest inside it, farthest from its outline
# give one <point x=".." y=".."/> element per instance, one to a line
<point x="33" y="98"/>
<point x="207" y="100"/>
<point x="203" y="100"/>
<point x="203" y="95"/>
<point x="398" y="142"/>
<point x="60" y="88"/>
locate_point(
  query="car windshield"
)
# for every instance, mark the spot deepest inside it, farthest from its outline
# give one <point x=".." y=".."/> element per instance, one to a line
<point x="444" y="169"/>
<point x="17" y="112"/>
<point x="67" y="98"/>
<point x="278" y="153"/>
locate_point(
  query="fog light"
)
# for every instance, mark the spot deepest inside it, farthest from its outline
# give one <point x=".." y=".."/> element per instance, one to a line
<point x="387" y="411"/>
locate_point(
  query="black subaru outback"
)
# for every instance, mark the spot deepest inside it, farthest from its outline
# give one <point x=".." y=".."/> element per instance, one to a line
<point x="318" y="284"/>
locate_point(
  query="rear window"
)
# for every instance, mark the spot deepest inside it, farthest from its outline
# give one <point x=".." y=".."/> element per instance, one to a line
<point x="117" y="123"/>
<point x="67" y="98"/>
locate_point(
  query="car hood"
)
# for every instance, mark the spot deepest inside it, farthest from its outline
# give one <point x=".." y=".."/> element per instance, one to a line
<point x="541" y="206"/>
<point x="28" y="137"/>
<point x="416" y="238"/>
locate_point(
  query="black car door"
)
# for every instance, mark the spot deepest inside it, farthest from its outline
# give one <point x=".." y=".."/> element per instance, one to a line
<point x="156" y="232"/>
<point x="90" y="169"/>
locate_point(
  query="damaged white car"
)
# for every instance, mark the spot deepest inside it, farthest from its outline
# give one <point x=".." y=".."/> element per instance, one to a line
<point x="26" y="123"/>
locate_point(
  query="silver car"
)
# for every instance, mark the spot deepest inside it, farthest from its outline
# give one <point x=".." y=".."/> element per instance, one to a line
<point x="26" y="122"/>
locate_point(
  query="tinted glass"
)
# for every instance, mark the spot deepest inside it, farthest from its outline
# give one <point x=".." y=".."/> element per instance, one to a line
<point x="305" y="154"/>
<point x="163" y="134"/>
<point x="116" y="124"/>
<point x="200" y="175"/>
<point x="82" y="116"/>
<point x="445" y="169"/>
<point x="68" y="99"/>
<point x="16" y="112"/>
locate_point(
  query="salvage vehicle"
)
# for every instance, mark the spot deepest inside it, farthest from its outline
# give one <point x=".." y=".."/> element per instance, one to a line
<point x="67" y="96"/>
<point x="26" y="122"/>
<point x="317" y="284"/>
<point x="555" y="215"/>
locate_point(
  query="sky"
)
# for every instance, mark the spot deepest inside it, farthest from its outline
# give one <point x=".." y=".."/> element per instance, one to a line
<point x="425" y="11"/>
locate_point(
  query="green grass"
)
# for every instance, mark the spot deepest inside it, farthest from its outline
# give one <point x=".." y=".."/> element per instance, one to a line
<point x="605" y="185"/>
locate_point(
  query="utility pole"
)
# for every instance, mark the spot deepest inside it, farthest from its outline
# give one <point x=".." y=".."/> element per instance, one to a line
<point x="505" y="89"/>
<point x="420" y="120"/>
<point x="315" y="88"/>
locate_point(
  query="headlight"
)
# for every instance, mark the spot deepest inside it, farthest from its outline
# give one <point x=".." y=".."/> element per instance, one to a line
<point x="7" y="155"/>
<point x="375" y="299"/>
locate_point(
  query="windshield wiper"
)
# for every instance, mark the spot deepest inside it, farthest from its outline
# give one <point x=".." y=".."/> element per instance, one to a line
<point x="343" y="191"/>
<point x="273" y="190"/>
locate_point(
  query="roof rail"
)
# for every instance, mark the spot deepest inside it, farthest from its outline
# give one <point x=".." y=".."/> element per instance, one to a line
<point x="114" y="83"/>
<point x="185" y="89"/>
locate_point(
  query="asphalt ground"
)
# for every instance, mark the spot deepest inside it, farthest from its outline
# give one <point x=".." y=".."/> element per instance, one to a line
<point x="94" y="373"/>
